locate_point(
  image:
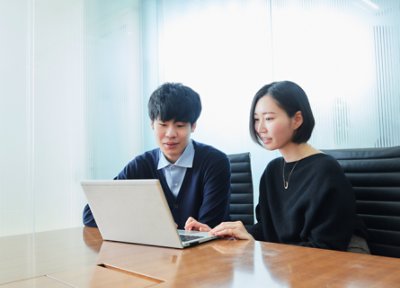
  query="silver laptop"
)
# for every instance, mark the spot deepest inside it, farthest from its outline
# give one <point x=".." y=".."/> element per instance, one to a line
<point x="136" y="211"/>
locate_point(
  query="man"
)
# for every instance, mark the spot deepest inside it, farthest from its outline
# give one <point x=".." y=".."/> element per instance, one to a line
<point x="195" y="177"/>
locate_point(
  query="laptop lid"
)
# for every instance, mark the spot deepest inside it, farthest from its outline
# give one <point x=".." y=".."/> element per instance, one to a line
<point x="136" y="211"/>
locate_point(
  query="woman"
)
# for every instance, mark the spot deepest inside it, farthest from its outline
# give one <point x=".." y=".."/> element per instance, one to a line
<point x="305" y="198"/>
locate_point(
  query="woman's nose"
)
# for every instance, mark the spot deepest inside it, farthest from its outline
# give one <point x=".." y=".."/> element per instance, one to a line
<point x="260" y="127"/>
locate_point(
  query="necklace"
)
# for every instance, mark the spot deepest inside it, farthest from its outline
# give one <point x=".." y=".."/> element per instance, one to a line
<point x="286" y="182"/>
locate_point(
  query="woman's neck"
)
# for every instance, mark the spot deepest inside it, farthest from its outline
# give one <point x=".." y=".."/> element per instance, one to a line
<point x="294" y="152"/>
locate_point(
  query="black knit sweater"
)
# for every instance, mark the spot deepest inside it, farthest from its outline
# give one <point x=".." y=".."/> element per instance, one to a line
<point x="316" y="210"/>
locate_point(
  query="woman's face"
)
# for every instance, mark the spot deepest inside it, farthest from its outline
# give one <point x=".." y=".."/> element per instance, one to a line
<point x="273" y="125"/>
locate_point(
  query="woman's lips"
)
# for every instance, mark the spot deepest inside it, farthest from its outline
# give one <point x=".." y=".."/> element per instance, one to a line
<point x="266" y="140"/>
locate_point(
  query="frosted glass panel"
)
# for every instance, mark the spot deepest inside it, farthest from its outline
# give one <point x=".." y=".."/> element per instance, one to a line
<point x="220" y="49"/>
<point x="16" y="207"/>
<point x="70" y="105"/>
<point x="114" y="98"/>
<point x="42" y="115"/>
<point x="345" y="54"/>
<point x="76" y="76"/>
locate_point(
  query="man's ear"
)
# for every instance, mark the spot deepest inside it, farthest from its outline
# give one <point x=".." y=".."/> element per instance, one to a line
<point x="193" y="126"/>
<point x="152" y="124"/>
<point x="297" y="120"/>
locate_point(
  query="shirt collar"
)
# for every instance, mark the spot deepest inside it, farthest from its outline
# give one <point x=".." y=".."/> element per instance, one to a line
<point x="185" y="160"/>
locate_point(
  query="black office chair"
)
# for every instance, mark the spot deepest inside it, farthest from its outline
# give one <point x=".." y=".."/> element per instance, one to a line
<point x="375" y="176"/>
<point x="241" y="201"/>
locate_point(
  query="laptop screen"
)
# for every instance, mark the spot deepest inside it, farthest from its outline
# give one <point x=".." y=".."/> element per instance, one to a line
<point x="133" y="211"/>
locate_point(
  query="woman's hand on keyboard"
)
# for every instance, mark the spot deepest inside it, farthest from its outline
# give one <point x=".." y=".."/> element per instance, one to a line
<point x="232" y="229"/>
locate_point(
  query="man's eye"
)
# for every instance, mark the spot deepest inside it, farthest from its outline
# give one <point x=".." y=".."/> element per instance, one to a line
<point x="180" y="125"/>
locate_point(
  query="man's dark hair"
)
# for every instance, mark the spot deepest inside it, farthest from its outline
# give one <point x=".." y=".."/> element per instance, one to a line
<point x="174" y="101"/>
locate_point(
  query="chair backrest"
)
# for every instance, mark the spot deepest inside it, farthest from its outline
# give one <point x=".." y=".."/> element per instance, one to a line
<point x="375" y="176"/>
<point x="241" y="201"/>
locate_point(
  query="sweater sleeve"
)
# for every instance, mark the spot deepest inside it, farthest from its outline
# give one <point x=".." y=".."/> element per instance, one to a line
<point x="215" y="204"/>
<point x="256" y="230"/>
<point x="88" y="219"/>
<point x="263" y="230"/>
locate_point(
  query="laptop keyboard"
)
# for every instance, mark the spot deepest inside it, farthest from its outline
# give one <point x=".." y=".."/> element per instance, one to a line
<point x="185" y="238"/>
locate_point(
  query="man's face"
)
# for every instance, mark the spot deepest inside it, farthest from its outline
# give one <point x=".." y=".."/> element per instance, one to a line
<point x="172" y="137"/>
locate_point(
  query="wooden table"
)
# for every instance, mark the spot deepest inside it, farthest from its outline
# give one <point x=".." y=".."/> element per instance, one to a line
<point x="78" y="257"/>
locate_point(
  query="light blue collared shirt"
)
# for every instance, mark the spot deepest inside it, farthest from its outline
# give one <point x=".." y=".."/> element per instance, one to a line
<point x="175" y="172"/>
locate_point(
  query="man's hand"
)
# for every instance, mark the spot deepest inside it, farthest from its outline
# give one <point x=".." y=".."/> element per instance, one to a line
<point x="193" y="224"/>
